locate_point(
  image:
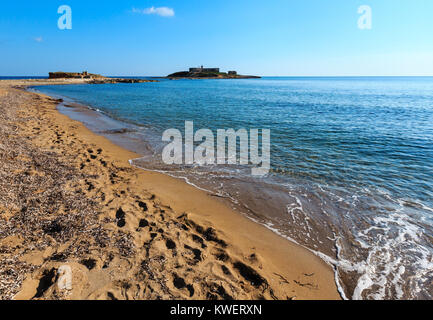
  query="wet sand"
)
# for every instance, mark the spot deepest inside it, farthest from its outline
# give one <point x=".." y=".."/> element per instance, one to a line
<point x="73" y="200"/>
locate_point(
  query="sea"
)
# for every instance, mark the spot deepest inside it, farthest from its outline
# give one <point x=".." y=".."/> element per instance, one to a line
<point x="351" y="174"/>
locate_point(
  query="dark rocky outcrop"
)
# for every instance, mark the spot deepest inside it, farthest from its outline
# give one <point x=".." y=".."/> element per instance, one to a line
<point x="119" y="80"/>
<point x="206" y="74"/>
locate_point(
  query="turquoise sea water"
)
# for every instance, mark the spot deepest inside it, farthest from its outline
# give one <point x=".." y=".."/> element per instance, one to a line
<point x="352" y="164"/>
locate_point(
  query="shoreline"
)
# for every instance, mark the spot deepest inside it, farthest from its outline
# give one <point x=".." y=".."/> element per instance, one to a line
<point x="305" y="275"/>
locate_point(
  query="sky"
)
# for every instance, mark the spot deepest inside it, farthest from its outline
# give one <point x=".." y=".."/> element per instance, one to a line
<point x="268" y="38"/>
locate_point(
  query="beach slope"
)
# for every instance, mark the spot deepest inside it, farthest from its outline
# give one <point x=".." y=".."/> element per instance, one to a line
<point x="71" y="204"/>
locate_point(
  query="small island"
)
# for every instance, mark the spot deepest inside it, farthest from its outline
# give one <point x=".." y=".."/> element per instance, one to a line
<point x="92" y="78"/>
<point x="208" y="73"/>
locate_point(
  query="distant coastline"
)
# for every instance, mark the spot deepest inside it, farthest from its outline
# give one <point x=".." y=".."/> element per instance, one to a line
<point x="93" y="78"/>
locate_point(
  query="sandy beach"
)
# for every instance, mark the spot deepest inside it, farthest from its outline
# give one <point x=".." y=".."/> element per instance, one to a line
<point x="69" y="197"/>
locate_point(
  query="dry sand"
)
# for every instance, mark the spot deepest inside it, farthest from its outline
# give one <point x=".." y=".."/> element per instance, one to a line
<point x="69" y="197"/>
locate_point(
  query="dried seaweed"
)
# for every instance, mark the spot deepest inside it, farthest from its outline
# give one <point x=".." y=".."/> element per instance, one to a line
<point x="36" y="204"/>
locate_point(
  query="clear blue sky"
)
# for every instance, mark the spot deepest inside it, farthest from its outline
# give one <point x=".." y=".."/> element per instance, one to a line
<point x="273" y="37"/>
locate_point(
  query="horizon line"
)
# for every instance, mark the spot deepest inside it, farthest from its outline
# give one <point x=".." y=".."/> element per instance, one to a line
<point x="274" y="76"/>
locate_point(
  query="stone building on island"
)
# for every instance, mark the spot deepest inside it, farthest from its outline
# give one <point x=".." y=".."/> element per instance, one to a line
<point x="74" y="75"/>
<point x="201" y="69"/>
